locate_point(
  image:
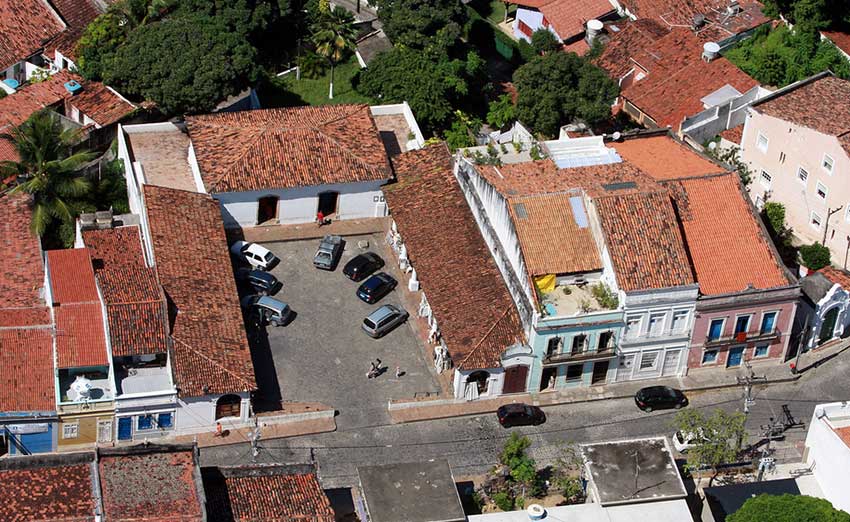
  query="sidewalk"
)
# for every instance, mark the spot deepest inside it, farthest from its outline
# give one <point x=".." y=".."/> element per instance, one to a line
<point x="697" y="380"/>
<point x="345" y="227"/>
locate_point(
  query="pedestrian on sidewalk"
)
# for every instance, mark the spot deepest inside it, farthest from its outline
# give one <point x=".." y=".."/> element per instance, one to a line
<point x="320" y="218"/>
<point x="373" y="371"/>
<point x="398" y="372"/>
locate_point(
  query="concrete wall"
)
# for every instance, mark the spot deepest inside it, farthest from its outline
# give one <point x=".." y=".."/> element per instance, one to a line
<point x="789" y="148"/>
<point x="714" y="120"/>
<point x="827" y="454"/>
<point x="197" y="414"/>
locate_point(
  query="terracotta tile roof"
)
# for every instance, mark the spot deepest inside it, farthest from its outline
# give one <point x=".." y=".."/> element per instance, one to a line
<point x="552" y="239"/>
<point x="286" y="148"/>
<point x="8" y="152"/>
<point x="48" y="493"/>
<point x="71" y="276"/>
<point x="837" y="276"/>
<point x="569" y="16"/>
<point x="681" y="13"/>
<point x="734" y="134"/>
<point x="26" y="370"/>
<point x="80" y="337"/>
<point x="643" y="237"/>
<point x="819" y="104"/>
<point x="844" y="435"/>
<point x="664" y="158"/>
<point x="579" y="47"/>
<point x="101" y="104"/>
<point x="265" y="494"/>
<point x="632" y="37"/>
<point x="115" y="247"/>
<point x="840" y="39"/>
<point x="729" y="249"/>
<point x="211" y="353"/>
<point x="24" y="27"/>
<point x="679" y="78"/>
<point x="77" y="14"/>
<point x="154" y="485"/>
<point x="21" y="268"/>
<point x="465" y="289"/>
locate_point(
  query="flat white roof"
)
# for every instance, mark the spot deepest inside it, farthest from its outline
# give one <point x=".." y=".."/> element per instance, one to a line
<point x="661" y="511"/>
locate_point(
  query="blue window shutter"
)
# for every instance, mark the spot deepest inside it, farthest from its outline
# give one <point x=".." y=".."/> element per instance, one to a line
<point x="164" y="420"/>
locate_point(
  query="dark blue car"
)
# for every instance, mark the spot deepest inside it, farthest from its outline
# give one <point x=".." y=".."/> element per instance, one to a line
<point x="376" y="287"/>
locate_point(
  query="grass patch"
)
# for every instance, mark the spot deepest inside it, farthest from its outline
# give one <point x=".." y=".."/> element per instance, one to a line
<point x="286" y="91"/>
<point x="493" y="10"/>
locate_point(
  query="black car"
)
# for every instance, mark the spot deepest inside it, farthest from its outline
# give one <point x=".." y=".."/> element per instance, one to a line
<point x="361" y="266"/>
<point x="263" y="282"/>
<point x="376" y="287"/>
<point x="519" y="414"/>
<point x="660" y="398"/>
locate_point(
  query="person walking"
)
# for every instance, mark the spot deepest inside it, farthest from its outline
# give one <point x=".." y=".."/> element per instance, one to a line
<point x="373" y="371"/>
<point x="398" y="372"/>
<point x="320" y="218"/>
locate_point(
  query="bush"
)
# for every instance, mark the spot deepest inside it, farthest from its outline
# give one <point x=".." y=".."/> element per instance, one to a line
<point x="604" y="296"/>
<point x="504" y="501"/>
<point x="543" y="41"/>
<point x="814" y="256"/>
<point x="788" y="508"/>
<point x="775" y="214"/>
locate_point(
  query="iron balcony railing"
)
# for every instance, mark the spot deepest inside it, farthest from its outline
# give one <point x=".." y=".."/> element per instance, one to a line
<point x="744" y="337"/>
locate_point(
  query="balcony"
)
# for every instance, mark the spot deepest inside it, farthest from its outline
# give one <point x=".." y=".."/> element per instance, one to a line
<point x="744" y="337"/>
<point x="580" y="356"/>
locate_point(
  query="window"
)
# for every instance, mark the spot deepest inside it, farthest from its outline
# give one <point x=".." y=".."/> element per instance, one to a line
<point x="633" y="326"/>
<point x="574" y="372"/>
<point x="579" y="343"/>
<point x="71" y="430"/>
<point x="648" y="361"/>
<point x="742" y="324"/>
<point x="709" y="356"/>
<point x="656" y="324"/>
<point x="762" y="142"/>
<point x="815" y="221"/>
<point x="715" y="329"/>
<point x="144" y="422"/>
<point x="765" y="179"/>
<point x="761" y="350"/>
<point x="759" y="202"/>
<point x="165" y="420"/>
<point x="827" y="163"/>
<point x="768" y="322"/>
<point x="802" y="174"/>
<point x="553" y="347"/>
<point x="104" y="431"/>
<point x="680" y="321"/>
<point x="228" y="406"/>
<point x="524" y="28"/>
<point x="605" y="339"/>
<point x="781" y="157"/>
<point x="821" y="190"/>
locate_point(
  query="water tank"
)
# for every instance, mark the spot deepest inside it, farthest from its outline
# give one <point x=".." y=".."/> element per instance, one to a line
<point x="710" y="51"/>
<point x="594" y="27"/>
<point x="82" y="387"/>
<point x="73" y="86"/>
<point x="535" y="512"/>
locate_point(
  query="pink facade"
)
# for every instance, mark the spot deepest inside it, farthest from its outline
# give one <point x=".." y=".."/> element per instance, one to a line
<point x="763" y="338"/>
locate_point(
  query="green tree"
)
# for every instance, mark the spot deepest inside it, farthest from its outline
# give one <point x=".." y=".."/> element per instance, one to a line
<point x="558" y="88"/>
<point x="98" y="44"/>
<point x="413" y="22"/>
<point x="787" y="508"/>
<point x="814" y="256"/>
<point x="462" y="132"/>
<point x="775" y="214"/>
<point x="544" y="41"/>
<point x="334" y="36"/>
<point x="522" y="468"/>
<point x="49" y="169"/>
<point x="717" y="437"/>
<point x="501" y="112"/>
<point x="312" y="65"/>
<point x="184" y="64"/>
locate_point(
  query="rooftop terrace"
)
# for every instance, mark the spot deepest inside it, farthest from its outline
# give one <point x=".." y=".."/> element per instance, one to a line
<point x="571" y="299"/>
<point x="164" y="156"/>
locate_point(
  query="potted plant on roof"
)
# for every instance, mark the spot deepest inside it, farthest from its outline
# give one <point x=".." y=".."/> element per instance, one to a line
<point x="812" y="258"/>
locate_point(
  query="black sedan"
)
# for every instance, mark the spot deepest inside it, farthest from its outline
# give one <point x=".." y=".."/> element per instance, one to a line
<point x="376" y="287"/>
<point x="361" y="266"/>
<point x="263" y="282"/>
<point x="519" y="414"/>
<point x="660" y="398"/>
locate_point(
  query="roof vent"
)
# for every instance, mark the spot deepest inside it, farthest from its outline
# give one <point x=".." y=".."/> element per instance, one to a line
<point x="734" y="8"/>
<point x="710" y="51"/>
<point x="74" y="87"/>
<point x="594" y="27"/>
<point x="536" y="512"/>
<point x="699" y="20"/>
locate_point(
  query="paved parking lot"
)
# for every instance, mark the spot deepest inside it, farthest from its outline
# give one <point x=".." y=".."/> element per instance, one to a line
<point x="323" y="355"/>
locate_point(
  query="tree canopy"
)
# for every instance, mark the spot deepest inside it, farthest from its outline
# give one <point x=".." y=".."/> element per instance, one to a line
<point x="716" y="438"/>
<point x="544" y="41"/>
<point x="413" y="22"/>
<point x="558" y="88"/>
<point x="787" y="508"/>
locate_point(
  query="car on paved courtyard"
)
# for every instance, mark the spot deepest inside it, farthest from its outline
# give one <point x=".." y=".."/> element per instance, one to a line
<point x="254" y="254"/>
<point x="376" y="287"/>
<point x="263" y="282"/>
<point x="270" y="310"/>
<point x="383" y="320"/>
<point x="327" y="255"/>
<point x="660" y="398"/>
<point x="519" y="414"/>
<point x="362" y="265"/>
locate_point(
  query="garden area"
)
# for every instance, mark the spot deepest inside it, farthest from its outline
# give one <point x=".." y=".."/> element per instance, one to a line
<point x="312" y="88"/>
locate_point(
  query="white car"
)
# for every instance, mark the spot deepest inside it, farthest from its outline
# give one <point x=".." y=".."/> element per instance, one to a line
<point x="255" y="255"/>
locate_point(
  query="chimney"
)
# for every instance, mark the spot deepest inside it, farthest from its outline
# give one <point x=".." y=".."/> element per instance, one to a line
<point x="710" y="51"/>
<point x="592" y="30"/>
<point x="734" y="8"/>
<point x="699" y="21"/>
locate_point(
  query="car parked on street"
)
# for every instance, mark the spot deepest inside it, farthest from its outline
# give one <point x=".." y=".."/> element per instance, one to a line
<point x="254" y="254"/>
<point x="270" y="310"/>
<point x="376" y="287"/>
<point x="362" y="265"/>
<point x="327" y="255"/>
<point x="383" y="320"/>
<point x="519" y="414"/>
<point x="660" y="398"/>
<point x="263" y="282"/>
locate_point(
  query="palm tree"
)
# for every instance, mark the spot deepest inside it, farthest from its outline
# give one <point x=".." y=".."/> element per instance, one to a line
<point x="47" y="168"/>
<point x="334" y="36"/>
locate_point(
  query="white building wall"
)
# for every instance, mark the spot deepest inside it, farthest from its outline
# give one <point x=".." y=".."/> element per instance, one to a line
<point x="197" y="414"/>
<point x="836" y="297"/>
<point x="828" y="455"/>
<point x="533" y="19"/>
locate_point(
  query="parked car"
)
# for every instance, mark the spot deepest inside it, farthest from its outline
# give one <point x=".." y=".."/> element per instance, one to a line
<point x="254" y="254"/>
<point x="376" y="287"/>
<point x="660" y="398"/>
<point x="270" y="310"/>
<point x="263" y="282"/>
<point x="327" y="255"/>
<point x="383" y="320"/>
<point x="361" y="266"/>
<point x="519" y="414"/>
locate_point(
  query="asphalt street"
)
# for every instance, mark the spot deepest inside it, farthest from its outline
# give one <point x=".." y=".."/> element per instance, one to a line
<point x="472" y="444"/>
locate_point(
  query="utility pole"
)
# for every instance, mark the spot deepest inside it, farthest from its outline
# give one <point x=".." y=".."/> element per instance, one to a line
<point x="747" y="382"/>
<point x="255" y="441"/>
<point x="846" y="251"/>
<point x="829" y="213"/>
<point x="803" y="338"/>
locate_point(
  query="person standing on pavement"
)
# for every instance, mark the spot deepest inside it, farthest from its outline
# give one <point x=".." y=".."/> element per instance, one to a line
<point x="320" y="218"/>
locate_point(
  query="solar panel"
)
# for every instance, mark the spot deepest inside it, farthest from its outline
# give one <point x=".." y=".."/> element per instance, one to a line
<point x="620" y="186"/>
<point x="578" y="211"/>
<point x="520" y="211"/>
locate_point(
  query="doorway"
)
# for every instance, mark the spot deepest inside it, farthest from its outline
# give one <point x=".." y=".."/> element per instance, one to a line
<point x="828" y="326"/>
<point x="328" y="203"/>
<point x="515" y="377"/>
<point x="600" y="373"/>
<point x="481" y="380"/>
<point x="736" y="356"/>
<point x="548" y="378"/>
<point x="671" y="363"/>
<point x="267" y="210"/>
<point x="228" y="406"/>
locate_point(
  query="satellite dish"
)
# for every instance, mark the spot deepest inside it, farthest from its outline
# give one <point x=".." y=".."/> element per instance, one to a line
<point x="82" y="387"/>
<point x="616" y="136"/>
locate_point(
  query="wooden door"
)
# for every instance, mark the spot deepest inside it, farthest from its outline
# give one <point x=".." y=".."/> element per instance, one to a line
<point x="600" y="372"/>
<point x="515" y="378"/>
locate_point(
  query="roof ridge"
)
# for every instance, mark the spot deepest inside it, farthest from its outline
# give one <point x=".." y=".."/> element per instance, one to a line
<point x="248" y="145"/>
<point x="347" y="152"/>
<point x="485" y="336"/>
<point x="216" y="362"/>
